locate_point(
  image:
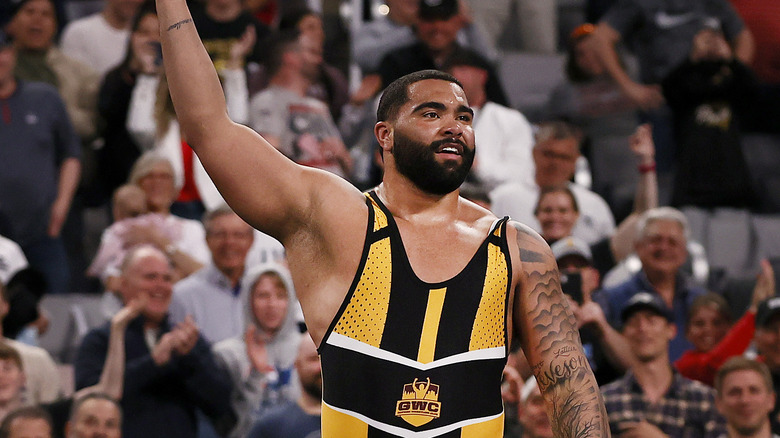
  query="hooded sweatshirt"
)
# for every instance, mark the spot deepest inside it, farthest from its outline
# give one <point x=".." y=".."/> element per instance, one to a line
<point x="255" y="391"/>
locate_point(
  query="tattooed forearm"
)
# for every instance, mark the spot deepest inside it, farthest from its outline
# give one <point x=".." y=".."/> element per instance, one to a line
<point x="553" y="345"/>
<point x="178" y="25"/>
<point x="550" y="313"/>
<point x="560" y="370"/>
<point x="575" y="417"/>
<point x="576" y="406"/>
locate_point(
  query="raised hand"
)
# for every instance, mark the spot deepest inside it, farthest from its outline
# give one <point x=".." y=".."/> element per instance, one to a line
<point x="129" y="312"/>
<point x="765" y="285"/>
<point x="255" y="349"/>
<point x="186" y="336"/>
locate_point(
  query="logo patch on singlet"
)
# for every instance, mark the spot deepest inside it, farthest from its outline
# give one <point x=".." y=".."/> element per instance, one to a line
<point x="419" y="402"/>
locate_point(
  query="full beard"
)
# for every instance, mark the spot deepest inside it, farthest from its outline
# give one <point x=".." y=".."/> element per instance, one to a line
<point x="417" y="162"/>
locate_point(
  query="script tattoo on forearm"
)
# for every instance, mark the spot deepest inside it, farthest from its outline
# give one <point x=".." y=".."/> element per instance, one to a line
<point x="178" y="25"/>
<point x="564" y="375"/>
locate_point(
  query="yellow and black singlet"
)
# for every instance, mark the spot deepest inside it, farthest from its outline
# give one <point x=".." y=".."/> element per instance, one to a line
<point x="403" y="357"/>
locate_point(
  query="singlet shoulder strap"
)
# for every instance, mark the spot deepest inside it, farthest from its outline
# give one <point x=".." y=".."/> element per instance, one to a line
<point x="378" y="212"/>
<point x="498" y="231"/>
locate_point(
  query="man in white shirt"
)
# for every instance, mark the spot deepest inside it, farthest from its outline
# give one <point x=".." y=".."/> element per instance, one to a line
<point x="100" y="40"/>
<point x="555" y="156"/>
<point x="504" y="136"/>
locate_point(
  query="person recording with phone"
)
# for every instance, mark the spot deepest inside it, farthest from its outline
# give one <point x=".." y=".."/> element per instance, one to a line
<point x="605" y="348"/>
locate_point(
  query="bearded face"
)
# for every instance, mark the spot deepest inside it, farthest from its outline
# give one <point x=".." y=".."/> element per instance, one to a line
<point x="418" y="162"/>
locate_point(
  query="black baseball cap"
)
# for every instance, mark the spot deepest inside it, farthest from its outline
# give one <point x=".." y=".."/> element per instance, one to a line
<point x="437" y="9"/>
<point x="645" y="301"/>
<point x="767" y="310"/>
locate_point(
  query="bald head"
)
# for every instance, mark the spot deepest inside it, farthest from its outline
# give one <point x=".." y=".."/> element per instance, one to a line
<point x="147" y="274"/>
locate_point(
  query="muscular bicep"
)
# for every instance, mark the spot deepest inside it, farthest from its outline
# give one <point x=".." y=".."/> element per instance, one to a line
<point x="542" y="318"/>
<point x="267" y="189"/>
<point x="551" y="342"/>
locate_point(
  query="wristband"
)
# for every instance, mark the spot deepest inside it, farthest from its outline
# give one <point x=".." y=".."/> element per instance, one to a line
<point x="644" y="168"/>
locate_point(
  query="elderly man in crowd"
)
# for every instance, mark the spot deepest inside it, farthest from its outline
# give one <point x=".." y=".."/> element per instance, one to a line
<point x="169" y="370"/>
<point x="662" y="248"/>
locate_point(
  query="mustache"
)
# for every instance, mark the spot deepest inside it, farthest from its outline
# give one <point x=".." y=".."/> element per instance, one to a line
<point x="436" y="144"/>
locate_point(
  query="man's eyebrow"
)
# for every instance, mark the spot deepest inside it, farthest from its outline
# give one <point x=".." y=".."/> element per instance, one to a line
<point x="465" y="109"/>
<point x="441" y="106"/>
<point x="429" y="105"/>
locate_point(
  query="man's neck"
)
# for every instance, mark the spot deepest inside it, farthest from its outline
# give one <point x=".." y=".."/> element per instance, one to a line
<point x="654" y="377"/>
<point x="223" y="13"/>
<point x="664" y="283"/>
<point x="408" y="202"/>
<point x="309" y="404"/>
<point x="765" y="431"/>
<point x="233" y="274"/>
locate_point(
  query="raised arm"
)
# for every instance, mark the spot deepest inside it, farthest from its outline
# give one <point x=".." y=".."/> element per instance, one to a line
<point x="645" y="197"/>
<point x="602" y="44"/>
<point x="269" y="191"/>
<point x="551" y="342"/>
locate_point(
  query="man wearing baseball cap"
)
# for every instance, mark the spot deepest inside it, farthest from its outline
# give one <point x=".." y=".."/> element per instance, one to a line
<point x="767" y="340"/>
<point x="604" y="346"/>
<point x="652" y="399"/>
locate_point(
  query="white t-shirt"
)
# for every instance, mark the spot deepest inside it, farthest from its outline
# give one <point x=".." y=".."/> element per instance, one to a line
<point x="504" y="140"/>
<point x="94" y="42"/>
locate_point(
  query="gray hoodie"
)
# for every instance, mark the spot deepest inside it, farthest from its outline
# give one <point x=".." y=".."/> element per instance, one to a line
<point x="255" y="391"/>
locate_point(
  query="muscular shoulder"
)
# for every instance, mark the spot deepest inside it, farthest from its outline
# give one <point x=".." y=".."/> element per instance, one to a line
<point x="528" y="245"/>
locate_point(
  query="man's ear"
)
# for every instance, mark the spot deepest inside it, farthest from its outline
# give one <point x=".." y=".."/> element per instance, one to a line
<point x="384" y="135"/>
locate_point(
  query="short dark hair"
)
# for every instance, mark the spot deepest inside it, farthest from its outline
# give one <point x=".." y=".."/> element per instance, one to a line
<point x="397" y="93"/>
<point x="278" y="44"/>
<point x="29" y="412"/>
<point x="77" y="403"/>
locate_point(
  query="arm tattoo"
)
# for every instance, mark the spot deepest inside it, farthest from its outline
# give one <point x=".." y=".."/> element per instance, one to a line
<point x="563" y="373"/>
<point x="178" y="25"/>
<point x="564" y="376"/>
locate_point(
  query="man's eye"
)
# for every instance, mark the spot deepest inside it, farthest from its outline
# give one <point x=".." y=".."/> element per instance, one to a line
<point x="465" y="118"/>
<point x="431" y="115"/>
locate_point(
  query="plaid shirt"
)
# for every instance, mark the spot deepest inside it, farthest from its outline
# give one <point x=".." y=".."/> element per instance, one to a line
<point x="687" y="410"/>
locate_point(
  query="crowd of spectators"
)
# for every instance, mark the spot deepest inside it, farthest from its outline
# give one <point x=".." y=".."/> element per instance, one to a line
<point x="203" y="335"/>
